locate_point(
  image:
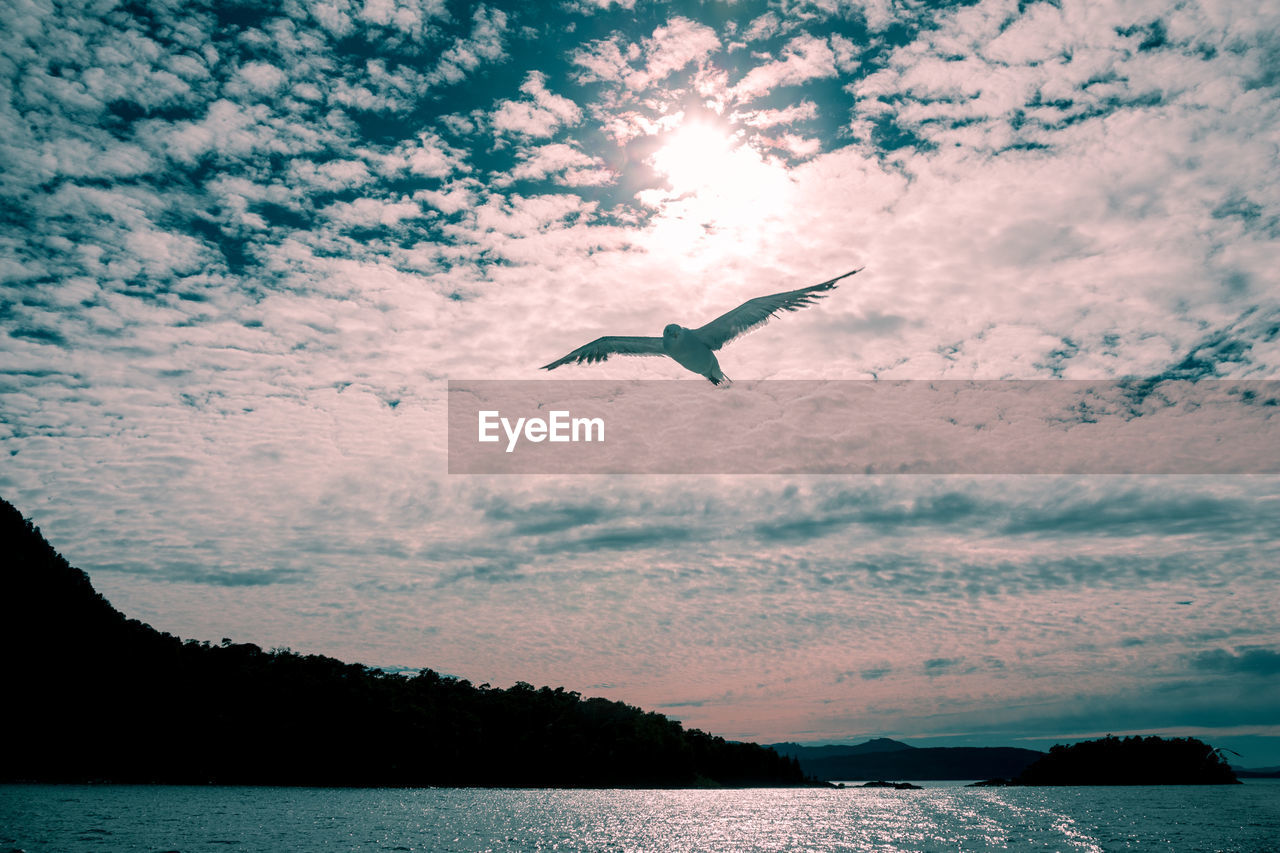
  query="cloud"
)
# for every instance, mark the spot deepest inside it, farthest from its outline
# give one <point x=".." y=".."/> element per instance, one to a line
<point x="602" y="61"/>
<point x="1244" y="661"/>
<point x="670" y="48"/>
<point x="330" y="175"/>
<point x="846" y="54"/>
<point x="381" y="88"/>
<point x="543" y="518"/>
<point x="539" y="115"/>
<point x="762" y="27"/>
<point x="179" y="571"/>
<point x="802" y="111"/>
<point x="623" y="126"/>
<point x="450" y="199"/>
<point x="105" y="159"/>
<point x="804" y="58"/>
<point x="982" y="79"/>
<point x="483" y="45"/>
<point x="243" y="577"/>
<point x="799" y="147"/>
<point x="234" y="131"/>
<point x="632" y="538"/>
<point x="590" y="6"/>
<point x="1129" y="514"/>
<point x="428" y="156"/>
<point x="409" y="16"/>
<point x="367" y="212"/>
<point x="259" y="78"/>
<point x="566" y="165"/>
<point x="940" y="666"/>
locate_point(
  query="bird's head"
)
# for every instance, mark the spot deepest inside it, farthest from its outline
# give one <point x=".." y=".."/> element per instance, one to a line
<point x="672" y="331"/>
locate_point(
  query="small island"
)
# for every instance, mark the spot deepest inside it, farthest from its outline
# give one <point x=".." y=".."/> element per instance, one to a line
<point x="1126" y="761"/>
<point x="897" y="786"/>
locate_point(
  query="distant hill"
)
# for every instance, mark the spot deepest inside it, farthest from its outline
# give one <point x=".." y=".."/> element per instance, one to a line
<point x="1256" y="772"/>
<point x="811" y="753"/>
<point x="1110" y="761"/>
<point x="94" y="696"/>
<point x="1130" y="761"/>
<point x="884" y="758"/>
<point x="939" y="762"/>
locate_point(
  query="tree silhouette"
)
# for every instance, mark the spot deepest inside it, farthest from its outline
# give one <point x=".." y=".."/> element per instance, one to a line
<point x="93" y="695"/>
<point x="1131" y="761"/>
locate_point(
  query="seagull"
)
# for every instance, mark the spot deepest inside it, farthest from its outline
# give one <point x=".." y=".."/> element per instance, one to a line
<point x="694" y="349"/>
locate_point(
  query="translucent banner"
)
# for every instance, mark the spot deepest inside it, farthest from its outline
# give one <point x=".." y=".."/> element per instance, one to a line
<point x="864" y="427"/>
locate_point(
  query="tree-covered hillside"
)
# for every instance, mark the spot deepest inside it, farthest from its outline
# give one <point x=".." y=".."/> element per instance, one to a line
<point x="1131" y="761"/>
<point x="93" y="695"/>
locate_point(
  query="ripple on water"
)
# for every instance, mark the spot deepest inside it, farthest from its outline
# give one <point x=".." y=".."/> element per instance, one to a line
<point x="1245" y="819"/>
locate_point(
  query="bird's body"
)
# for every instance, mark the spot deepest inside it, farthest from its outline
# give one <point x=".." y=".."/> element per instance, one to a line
<point x="694" y="349"/>
<point x="691" y="352"/>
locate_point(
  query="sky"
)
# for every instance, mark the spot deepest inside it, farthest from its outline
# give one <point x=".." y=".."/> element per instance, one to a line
<point x="246" y="246"/>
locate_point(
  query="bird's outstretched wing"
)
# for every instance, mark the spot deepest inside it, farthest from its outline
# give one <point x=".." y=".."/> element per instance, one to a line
<point x="601" y="348"/>
<point x="756" y="312"/>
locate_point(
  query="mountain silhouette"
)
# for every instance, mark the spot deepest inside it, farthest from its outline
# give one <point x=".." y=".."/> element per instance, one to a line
<point x="95" y="696"/>
<point x="884" y="758"/>
<point x="811" y="753"/>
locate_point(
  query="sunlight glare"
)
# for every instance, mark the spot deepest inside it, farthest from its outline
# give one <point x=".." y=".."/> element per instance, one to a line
<point x="696" y="157"/>
<point x="717" y="183"/>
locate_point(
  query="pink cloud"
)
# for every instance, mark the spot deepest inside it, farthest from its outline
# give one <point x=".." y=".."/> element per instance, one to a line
<point x="804" y="58"/>
<point x="540" y="114"/>
<point x="670" y="48"/>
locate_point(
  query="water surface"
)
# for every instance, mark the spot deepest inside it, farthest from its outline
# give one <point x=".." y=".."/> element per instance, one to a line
<point x="942" y="817"/>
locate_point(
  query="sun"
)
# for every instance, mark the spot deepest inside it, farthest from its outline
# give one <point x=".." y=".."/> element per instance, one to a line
<point x="717" y="179"/>
<point x="695" y="157"/>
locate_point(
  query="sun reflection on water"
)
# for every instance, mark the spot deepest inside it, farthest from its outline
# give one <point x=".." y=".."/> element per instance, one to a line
<point x="942" y="818"/>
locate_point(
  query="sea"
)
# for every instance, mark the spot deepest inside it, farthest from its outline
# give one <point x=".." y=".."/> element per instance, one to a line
<point x="941" y="817"/>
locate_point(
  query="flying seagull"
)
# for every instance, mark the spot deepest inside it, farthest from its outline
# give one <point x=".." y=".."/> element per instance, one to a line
<point x="694" y="349"/>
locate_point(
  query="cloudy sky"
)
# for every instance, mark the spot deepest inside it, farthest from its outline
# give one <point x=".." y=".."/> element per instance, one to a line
<point x="246" y="246"/>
